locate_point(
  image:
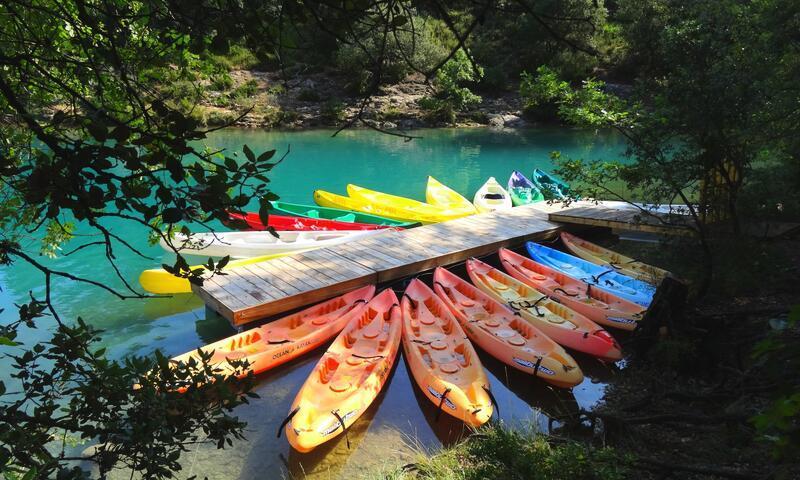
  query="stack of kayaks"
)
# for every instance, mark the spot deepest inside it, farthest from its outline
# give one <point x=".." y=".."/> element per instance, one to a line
<point x="522" y="190"/>
<point x="285" y="222"/>
<point x="605" y="278"/>
<point x="491" y="196"/>
<point x="258" y="243"/>
<point x="336" y="214"/>
<point x="391" y="206"/>
<point x="603" y="256"/>
<point x="551" y="187"/>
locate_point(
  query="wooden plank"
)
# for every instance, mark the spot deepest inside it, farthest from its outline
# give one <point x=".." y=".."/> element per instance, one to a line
<point x="274" y="276"/>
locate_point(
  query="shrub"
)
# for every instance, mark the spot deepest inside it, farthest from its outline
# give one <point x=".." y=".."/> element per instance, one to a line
<point x="437" y="110"/>
<point x="332" y="111"/>
<point x="245" y="90"/>
<point x="277" y="89"/>
<point x="452" y="93"/>
<point x="541" y="93"/>
<point x="237" y="58"/>
<point x="221" y="82"/>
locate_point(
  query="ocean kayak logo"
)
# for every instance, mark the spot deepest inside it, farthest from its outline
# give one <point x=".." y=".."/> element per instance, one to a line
<point x="620" y="320"/>
<point x="438" y="395"/>
<point x="532" y="365"/>
<point x="336" y="424"/>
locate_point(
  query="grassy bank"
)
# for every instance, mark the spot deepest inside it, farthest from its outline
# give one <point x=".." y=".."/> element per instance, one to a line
<point x="497" y="451"/>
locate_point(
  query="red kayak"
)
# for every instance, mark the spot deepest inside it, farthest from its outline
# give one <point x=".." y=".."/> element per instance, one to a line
<point x="284" y="222"/>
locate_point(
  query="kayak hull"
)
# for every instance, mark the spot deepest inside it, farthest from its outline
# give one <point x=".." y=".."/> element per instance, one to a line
<point x="348" y="377"/>
<point x="565" y="326"/>
<point x="405" y="207"/>
<point x="522" y="190"/>
<point x="440" y="195"/>
<point x="279" y="341"/>
<point x="491" y="197"/>
<point x="287" y="223"/>
<point x="508" y="338"/>
<point x="621" y="263"/>
<point x="601" y="277"/>
<point x="337" y="214"/>
<point x="442" y="361"/>
<point x="599" y="306"/>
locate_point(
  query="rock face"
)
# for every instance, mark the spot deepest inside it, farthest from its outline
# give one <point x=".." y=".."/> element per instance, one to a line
<point x="306" y="100"/>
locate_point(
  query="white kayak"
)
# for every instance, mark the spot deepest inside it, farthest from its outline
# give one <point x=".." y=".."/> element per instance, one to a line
<point x="491" y="196"/>
<point x="258" y="243"/>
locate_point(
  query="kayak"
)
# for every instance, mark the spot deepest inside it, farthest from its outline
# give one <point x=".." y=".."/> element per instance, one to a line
<point x="551" y="187"/>
<point x="522" y="190"/>
<point x="508" y="338"/>
<point x="440" y="195"/>
<point x="282" y="340"/>
<point x="562" y="324"/>
<point x="491" y="196"/>
<point x="605" y="278"/>
<point x="349" y="375"/>
<point x="161" y="282"/>
<point x="597" y="305"/>
<point x="327" y="213"/>
<point x="284" y="222"/>
<point x="603" y="256"/>
<point x="328" y="199"/>
<point x="441" y="359"/>
<point x="253" y="244"/>
<point x="405" y="207"/>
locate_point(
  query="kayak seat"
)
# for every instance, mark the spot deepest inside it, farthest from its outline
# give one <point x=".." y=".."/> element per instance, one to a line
<point x="312" y="213"/>
<point x="350" y="217"/>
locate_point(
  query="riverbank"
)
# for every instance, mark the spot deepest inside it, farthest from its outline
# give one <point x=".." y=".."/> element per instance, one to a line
<point x="270" y="100"/>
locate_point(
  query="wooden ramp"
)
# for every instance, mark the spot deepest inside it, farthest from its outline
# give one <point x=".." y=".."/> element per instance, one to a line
<point x="622" y="216"/>
<point x="268" y="288"/>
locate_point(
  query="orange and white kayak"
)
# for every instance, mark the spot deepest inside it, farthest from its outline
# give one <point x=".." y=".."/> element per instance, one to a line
<point x="597" y="305"/>
<point x="442" y="361"/>
<point x="562" y="324"/>
<point x="509" y="338"/>
<point x="349" y="375"/>
<point x="602" y="256"/>
<point x="277" y="342"/>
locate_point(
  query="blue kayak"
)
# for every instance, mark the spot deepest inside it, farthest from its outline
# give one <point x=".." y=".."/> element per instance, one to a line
<point x="603" y="276"/>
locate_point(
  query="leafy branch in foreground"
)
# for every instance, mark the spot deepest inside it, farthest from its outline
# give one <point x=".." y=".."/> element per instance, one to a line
<point x="137" y="413"/>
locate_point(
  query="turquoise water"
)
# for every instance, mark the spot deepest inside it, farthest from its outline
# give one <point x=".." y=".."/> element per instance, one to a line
<point x="462" y="159"/>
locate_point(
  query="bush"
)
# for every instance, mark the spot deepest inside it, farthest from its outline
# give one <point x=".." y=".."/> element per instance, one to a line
<point x="423" y="52"/>
<point x="221" y="82"/>
<point x="332" y="111"/>
<point x="542" y="92"/>
<point x="452" y="95"/>
<point x="245" y="90"/>
<point x="237" y="58"/>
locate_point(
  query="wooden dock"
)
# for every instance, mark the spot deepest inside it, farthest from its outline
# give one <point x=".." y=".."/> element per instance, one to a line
<point x="260" y="290"/>
<point x="622" y="216"/>
<point x="268" y="288"/>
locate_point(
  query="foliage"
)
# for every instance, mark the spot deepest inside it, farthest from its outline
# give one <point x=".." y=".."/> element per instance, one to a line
<point x="237" y="57"/>
<point x="308" y="95"/>
<point x="332" y="111"/>
<point x="416" y="46"/>
<point x="779" y="423"/>
<point x="452" y="94"/>
<point x="131" y="411"/>
<point x="499" y="452"/>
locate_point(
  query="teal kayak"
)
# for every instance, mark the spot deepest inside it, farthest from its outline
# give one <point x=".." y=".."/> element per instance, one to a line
<point x="552" y="187"/>
<point x="522" y="190"/>
<point x="327" y="213"/>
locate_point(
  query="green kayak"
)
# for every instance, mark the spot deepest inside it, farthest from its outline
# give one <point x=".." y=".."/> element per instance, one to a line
<point x="551" y="187"/>
<point x="522" y="190"/>
<point x="327" y="213"/>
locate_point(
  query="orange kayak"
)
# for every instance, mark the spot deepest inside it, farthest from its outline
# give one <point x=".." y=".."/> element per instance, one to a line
<point x="563" y="325"/>
<point x="349" y="375"/>
<point x="277" y="342"/>
<point x="597" y="305"/>
<point x="509" y="338"/>
<point x="442" y="361"/>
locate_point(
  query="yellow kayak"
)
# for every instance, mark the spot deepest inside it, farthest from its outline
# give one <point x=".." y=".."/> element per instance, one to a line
<point x="161" y="282"/>
<point x="440" y="195"/>
<point x="411" y="209"/>
<point x="332" y="200"/>
<point x="603" y="256"/>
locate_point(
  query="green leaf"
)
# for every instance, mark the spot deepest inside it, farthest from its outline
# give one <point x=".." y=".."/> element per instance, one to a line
<point x="249" y="153"/>
<point x="8" y="342"/>
<point x="266" y="156"/>
<point x="223" y="261"/>
<point x="172" y="215"/>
